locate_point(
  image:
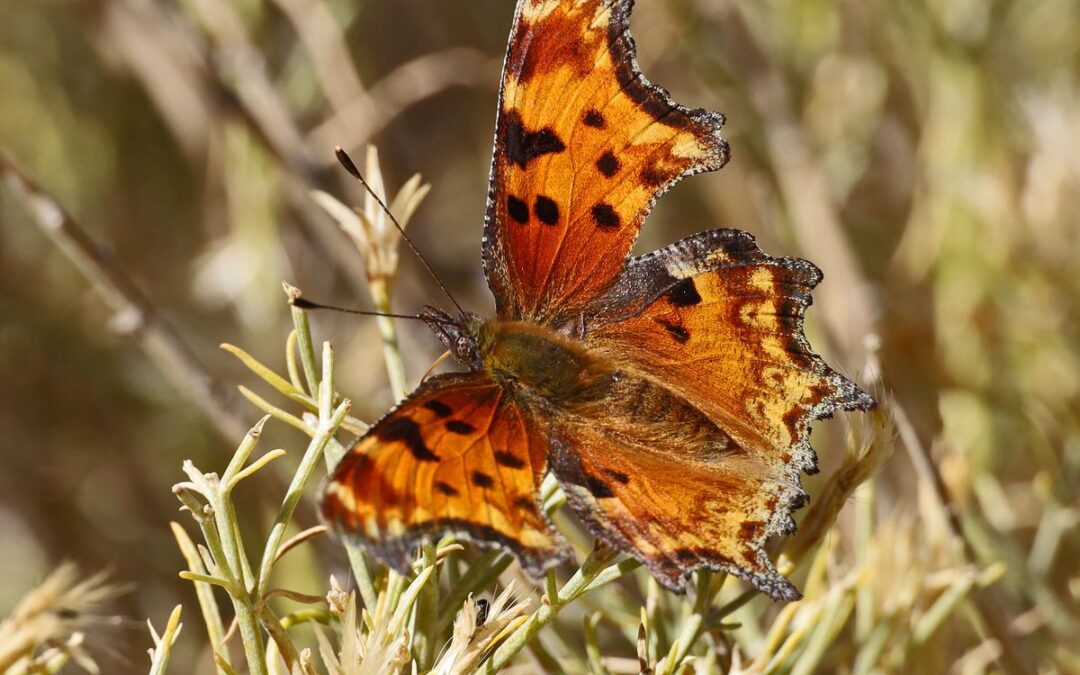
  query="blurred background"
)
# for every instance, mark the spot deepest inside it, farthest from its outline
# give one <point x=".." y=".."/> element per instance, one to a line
<point x="924" y="154"/>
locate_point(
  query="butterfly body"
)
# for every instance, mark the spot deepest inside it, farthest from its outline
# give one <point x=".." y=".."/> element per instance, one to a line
<point x="533" y="362"/>
<point x="670" y="394"/>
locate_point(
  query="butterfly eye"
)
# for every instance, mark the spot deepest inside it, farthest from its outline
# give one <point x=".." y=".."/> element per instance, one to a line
<point x="617" y="376"/>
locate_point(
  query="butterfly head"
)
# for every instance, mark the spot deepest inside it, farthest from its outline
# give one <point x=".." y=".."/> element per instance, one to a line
<point x="460" y="334"/>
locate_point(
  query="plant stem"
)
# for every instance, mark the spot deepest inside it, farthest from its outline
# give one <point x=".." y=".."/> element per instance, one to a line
<point x="426" y="617"/>
<point x="215" y="628"/>
<point x="692" y="626"/>
<point x="242" y="599"/>
<point x="296" y="489"/>
<point x="161" y="343"/>
<point x="306" y="348"/>
<point x="304" y="345"/>
<point x="598" y="569"/>
<point x="395" y="366"/>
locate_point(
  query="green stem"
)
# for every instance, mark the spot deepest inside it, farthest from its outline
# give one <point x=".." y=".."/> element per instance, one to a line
<point x="692" y="626"/>
<point x="865" y="611"/>
<point x="242" y="599"/>
<point x="598" y="569"/>
<point x="215" y="628"/>
<point x="395" y="370"/>
<point x="296" y="490"/>
<point x="306" y="347"/>
<point x="250" y="634"/>
<point x="740" y="600"/>
<point x="426" y="616"/>
<point x="395" y="366"/>
<point x="359" y="567"/>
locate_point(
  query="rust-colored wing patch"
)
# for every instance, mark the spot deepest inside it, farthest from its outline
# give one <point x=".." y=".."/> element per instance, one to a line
<point x="718" y="321"/>
<point x="584" y="146"/>
<point x="455" y="457"/>
<point x="676" y="501"/>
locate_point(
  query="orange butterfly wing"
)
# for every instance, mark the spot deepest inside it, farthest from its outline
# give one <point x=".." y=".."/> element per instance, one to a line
<point x="720" y="323"/>
<point x="694" y="455"/>
<point x="676" y="510"/>
<point x="584" y="145"/>
<point x="457" y="456"/>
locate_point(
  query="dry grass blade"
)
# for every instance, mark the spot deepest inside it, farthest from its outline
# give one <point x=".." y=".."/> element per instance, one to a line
<point x="51" y="614"/>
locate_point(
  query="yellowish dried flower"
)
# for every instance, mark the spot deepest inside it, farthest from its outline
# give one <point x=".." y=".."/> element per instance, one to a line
<point x="369" y="227"/>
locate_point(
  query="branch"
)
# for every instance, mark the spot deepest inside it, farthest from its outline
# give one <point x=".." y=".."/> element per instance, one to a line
<point x="134" y="311"/>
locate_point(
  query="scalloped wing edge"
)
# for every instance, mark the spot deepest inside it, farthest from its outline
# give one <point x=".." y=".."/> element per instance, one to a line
<point x="640" y="89"/>
<point x="398" y="552"/>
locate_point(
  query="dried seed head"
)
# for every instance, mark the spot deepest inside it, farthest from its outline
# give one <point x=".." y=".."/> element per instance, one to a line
<point x="370" y="228"/>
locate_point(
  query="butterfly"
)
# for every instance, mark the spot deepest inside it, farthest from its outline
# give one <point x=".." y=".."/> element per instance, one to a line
<point x="670" y="394"/>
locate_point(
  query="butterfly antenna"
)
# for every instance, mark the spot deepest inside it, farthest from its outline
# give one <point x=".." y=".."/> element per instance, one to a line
<point x="296" y="300"/>
<point x="350" y="166"/>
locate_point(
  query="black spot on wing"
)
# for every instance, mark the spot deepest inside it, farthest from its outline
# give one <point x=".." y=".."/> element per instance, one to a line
<point x="482" y="480"/>
<point x="517" y="209"/>
<point x="617" y="476"/>
<point x="799" y="354"/>
<point x="406" y="431"/>
<point x="605" y="217"/>
<point x="460" y="427"/>
<point x="439" y="408"/>
<point x="446" y="488"/>
<point x="504" y="458"/>
<point x="598" y="487"/>
<point x="608" y="164"/>
<point x="525" y="503"/>
<point x="546" y="210"/>
<point x="523" y="146"/>
<point x="685" y="555"/>
<point x="594" y="118"/>
<point x="684" y="294"/>
<point x="675" y="330"/>
<point x="653" y="177"/>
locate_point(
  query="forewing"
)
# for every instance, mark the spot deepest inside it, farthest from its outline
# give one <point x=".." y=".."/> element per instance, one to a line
<point x="584" y="145"/>
<point x="721" y="323"/>
<point x="455" y="457"/>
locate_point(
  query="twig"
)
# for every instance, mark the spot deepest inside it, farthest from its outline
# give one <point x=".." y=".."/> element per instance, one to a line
<point x="324" y="40"/>
<point x="403" y="87"/>
<point x="206" y="94"/>
<point x="395" y="365"/>
<point x="329" y="421"/>
<point x="211" y="613"/>
<point x="138" y="316"/>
